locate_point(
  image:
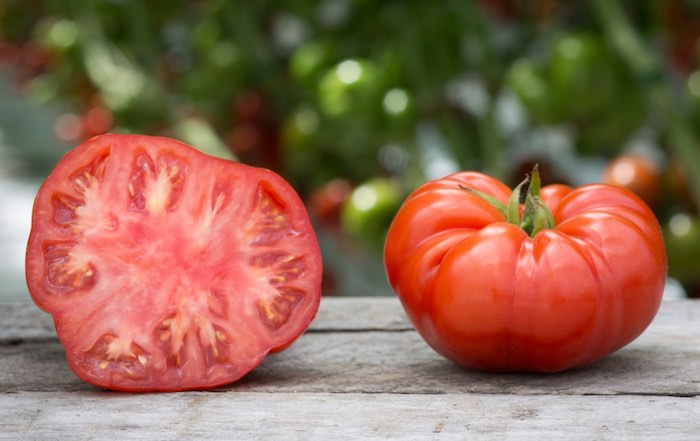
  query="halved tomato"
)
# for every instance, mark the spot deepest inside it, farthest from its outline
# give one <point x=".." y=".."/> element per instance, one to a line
<point x="167" y="269"/>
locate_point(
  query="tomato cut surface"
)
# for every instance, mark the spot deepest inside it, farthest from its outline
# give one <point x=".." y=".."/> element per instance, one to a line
<point x="167" y="269"/>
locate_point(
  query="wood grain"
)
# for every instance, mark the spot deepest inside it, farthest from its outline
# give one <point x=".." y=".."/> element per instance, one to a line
<point x="25" y="321"/>
<point x="361" y="371"/>
<point x="225" y="416"/>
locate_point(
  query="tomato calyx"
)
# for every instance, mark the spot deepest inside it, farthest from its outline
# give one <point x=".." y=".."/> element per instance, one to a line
<point x="535" y="215"/>
<point x="526" y="210"/>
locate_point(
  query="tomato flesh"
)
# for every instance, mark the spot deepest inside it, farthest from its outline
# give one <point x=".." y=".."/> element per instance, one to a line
<point x="166" y="269"/>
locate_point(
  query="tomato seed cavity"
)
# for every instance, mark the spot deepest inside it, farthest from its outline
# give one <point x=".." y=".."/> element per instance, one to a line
<point x="64" y="209"/>
<point x="271" y="222"/>
<point x="110" y="351"/>
<point x="214" y="344"/>
<point x="217" y="303"/>
<point x="93" y="174"/>
<point x="276" y="312"/>
<point x="156" y="185"/>
<point x="65" y="271"/>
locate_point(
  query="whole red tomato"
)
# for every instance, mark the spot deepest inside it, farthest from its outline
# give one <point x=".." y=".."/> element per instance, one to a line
<point x="562" y="282"/>
<point x="167" y="269"/>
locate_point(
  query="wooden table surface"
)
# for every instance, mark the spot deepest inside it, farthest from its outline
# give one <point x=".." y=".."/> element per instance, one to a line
<point x="362" y="372"/>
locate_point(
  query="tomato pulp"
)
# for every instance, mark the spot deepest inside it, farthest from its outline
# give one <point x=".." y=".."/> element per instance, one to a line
<point x="486" y="294"/>
<point x="167" y="269"/>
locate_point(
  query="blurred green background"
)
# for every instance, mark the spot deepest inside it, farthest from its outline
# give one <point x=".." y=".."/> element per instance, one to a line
<point x="357" y="102"/>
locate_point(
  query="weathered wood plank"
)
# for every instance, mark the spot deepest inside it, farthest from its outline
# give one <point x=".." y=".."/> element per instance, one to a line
<point x="360" y="314"/>
<point x="361" y="372"/>
<point x="24" y="321"/>
<point x="664" y="361"/>
<point x="213" y="416"/>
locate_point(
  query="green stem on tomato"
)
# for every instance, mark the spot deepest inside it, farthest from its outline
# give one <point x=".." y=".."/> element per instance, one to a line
<point x="535" y="215"/>
<point x="513" y="214"/>
<point x="488" y="198"/>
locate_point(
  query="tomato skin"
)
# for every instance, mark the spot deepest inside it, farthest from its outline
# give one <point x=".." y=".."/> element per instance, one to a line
<point x="166" y="269"/>
<point x="484" y="294"/>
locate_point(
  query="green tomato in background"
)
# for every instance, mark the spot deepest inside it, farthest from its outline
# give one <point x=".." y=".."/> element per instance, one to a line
<point x="59" y="34"/>
<point x="529" y="83"/>
<point x="350" y="89"/>
<point x="367" y="213"/>
<point x="308" y="61"/>
<point x="301" y="148"/>
<point x="300" y="128"/>
<point x="607" y="133"/>
<point x="595" y="92"/>
<point x="582" y="84"/>
<point x="399" y="109"/>
<point x="583" y="75"/>
<point x="682" y="235"/>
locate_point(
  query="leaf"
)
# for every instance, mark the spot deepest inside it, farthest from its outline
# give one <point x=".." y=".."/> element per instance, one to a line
<point x="500" y="206"/>
<point x="514" y="203"/>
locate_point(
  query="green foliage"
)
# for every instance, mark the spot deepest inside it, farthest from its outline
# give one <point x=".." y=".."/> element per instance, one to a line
<point x="359" y="90"/>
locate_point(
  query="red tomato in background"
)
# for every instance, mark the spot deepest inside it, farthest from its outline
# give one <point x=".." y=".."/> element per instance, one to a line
<point x="326" y="202"/>
<point x="638" y="174"/>
<point x="167" y="269"/>
<point x="486" y="295"/>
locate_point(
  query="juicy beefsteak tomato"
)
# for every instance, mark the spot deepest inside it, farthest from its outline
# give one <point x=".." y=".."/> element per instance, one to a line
<point x="167" y="269"/>
<point x="490" y="295"/>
